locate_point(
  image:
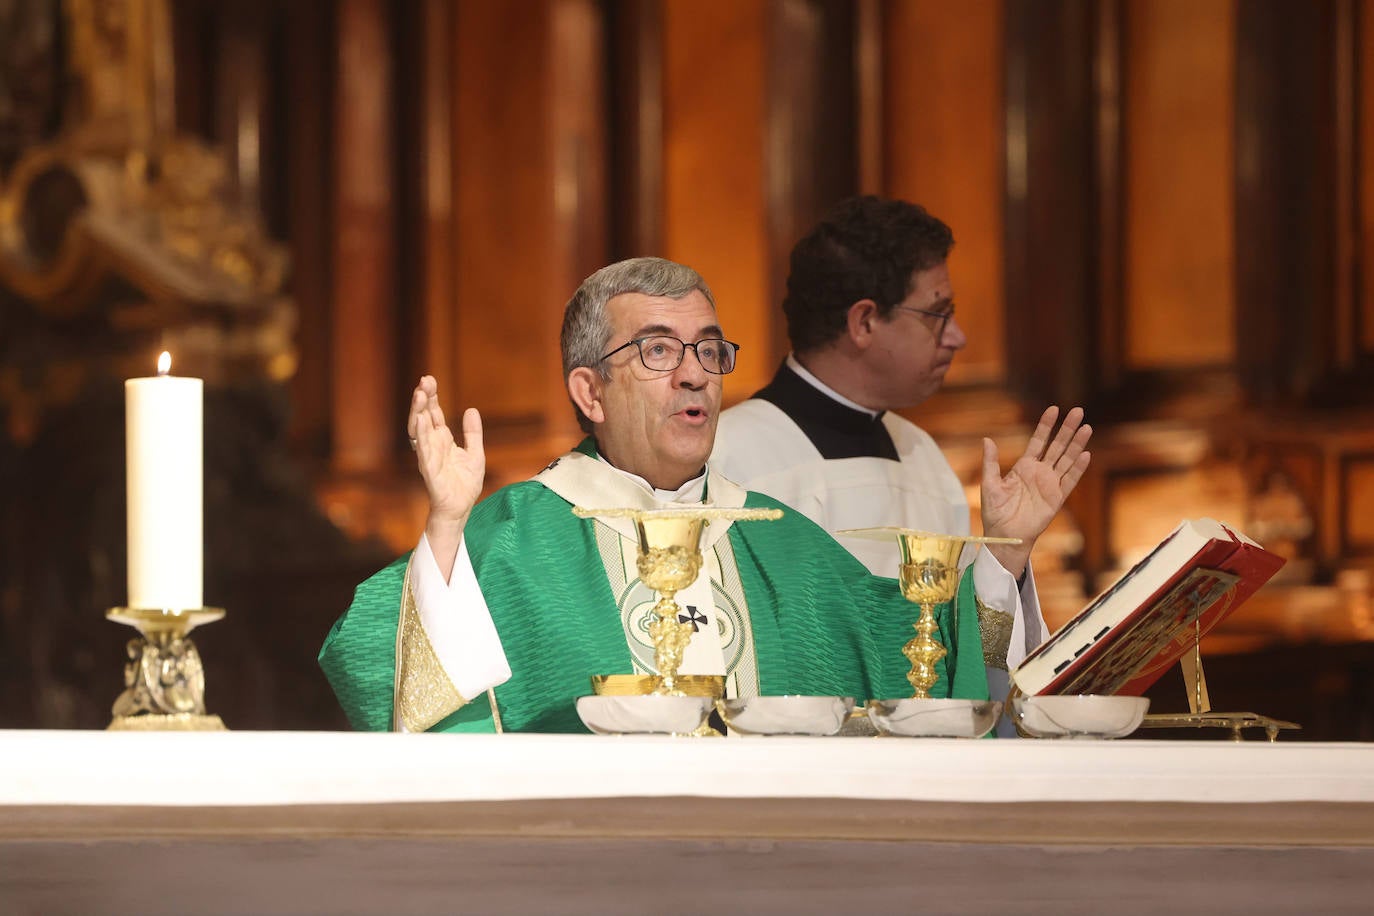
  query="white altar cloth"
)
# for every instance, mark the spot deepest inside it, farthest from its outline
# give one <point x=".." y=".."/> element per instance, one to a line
<point x="303" y="768"/>
<point x="340" y="823"/>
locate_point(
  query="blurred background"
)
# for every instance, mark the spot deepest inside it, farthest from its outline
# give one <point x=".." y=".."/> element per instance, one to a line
<point x="1163" y="211"/>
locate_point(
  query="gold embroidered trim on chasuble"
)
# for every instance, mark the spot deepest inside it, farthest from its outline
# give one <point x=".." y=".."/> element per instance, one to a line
<point x="995" y="628"/>
<point x="424" y="692"/>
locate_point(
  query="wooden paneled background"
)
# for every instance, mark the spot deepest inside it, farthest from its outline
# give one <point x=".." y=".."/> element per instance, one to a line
<point x="1164" y="211"/>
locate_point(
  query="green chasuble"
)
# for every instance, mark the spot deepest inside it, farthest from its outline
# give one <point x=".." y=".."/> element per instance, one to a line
<point x="821" y="623"/>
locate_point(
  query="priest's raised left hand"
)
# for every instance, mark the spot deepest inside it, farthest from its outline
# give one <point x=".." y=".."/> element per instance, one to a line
<point x="1024" y="501"/>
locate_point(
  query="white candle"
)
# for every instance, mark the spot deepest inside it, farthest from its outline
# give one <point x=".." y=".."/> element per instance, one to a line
<point x="164" y="446"/>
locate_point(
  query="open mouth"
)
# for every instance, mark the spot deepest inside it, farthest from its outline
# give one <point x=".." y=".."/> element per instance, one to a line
<point x="693" y="414"/>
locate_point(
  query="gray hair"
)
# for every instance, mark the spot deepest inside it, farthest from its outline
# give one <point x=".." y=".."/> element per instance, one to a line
<point x="587" y="330"/>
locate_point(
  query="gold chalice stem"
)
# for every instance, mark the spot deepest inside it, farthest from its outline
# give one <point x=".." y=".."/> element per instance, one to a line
<point x="670" y="642"/>
<point x="923" y="652"/>
<point x="666" y="570"/>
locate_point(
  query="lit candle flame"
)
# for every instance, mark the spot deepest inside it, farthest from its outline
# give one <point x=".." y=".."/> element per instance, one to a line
<point x="164" y="363"/>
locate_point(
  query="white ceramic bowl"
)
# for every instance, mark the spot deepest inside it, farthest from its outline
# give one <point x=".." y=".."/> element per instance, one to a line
<point x="934" y="718"/>
<point x="1079" y="716"/>
<point x="643" y="715"/>
<point x="785" y="715"/>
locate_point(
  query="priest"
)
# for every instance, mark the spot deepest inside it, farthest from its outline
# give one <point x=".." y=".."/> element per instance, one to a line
<point x="506" y="606"/>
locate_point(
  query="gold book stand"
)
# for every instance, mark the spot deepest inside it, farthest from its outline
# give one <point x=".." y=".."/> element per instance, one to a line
<point x="1200" y="713"/>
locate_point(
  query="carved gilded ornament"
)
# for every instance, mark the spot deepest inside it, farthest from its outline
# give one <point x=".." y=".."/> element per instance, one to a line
<point x="123" y="223"/>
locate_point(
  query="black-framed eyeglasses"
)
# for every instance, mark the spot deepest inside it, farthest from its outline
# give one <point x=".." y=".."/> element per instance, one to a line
<point x="944" y="317"/>
<point x="664" y="354"/>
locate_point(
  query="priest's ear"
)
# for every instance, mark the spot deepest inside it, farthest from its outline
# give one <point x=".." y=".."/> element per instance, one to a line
<point x="860" y="322"/>
<point x="585" y="389"/>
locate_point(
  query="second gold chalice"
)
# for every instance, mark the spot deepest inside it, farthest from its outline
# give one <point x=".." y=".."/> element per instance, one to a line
<point x="928" y="575"/>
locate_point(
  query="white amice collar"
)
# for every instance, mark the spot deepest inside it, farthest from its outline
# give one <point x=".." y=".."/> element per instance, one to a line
<point x="826" y="390"/>
<point x="690" y="492"/>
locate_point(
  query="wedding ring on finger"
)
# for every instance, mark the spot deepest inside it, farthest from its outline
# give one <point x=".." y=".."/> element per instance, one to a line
<point x="413" y="444"/>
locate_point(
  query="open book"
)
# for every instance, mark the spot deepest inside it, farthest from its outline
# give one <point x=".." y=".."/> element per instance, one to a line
<point x="1134" y="631"/>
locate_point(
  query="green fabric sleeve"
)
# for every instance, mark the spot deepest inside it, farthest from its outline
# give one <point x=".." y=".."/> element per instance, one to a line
<point x="359" y="654"/>
<point x="546" y="587"/>
<point x="970" y="677"/>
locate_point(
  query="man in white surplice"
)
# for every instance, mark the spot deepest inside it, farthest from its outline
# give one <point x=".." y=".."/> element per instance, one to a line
<point x="870" y="316"/>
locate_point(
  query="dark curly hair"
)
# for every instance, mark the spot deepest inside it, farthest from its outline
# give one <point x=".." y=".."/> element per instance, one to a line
<point x="866" y="248"/>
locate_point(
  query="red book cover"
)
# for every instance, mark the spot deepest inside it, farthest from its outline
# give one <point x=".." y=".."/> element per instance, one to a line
<point x="1140" y="627"/>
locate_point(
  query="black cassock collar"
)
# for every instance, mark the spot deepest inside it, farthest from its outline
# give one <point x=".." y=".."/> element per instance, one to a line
<point x="837" y="431"/>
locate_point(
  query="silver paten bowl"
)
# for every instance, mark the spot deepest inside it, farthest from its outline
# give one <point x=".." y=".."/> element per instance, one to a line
<point x="934" y="718"/>
<point x="785" y="715"/>
<point x="1078" y="716"/>
<point x="648" y="714"/>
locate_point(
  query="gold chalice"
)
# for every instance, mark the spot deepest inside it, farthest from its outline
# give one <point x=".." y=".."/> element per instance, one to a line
<point x="928" y="575"/>
<point x="670" y="560"/>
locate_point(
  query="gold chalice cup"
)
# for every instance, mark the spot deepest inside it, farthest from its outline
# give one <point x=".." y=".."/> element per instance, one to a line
<point x="928" y="575"/>
<point x="670" y="560"/>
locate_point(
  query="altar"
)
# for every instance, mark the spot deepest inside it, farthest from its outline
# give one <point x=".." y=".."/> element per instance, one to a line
<point x="295" y="822"/>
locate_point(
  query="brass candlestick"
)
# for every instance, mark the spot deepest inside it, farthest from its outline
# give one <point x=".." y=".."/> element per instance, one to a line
<point x="164" y="681"/>
<point x="928" y="575"/>
<point x="670" y="560"/>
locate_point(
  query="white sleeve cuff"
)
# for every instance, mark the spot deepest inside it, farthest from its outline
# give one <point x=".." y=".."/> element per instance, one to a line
<point x="458" y="623"/>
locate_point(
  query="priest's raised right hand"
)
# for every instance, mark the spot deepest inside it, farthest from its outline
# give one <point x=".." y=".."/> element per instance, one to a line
<point x="453" y="473"/>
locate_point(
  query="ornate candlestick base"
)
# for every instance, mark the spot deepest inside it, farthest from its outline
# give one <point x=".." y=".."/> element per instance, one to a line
<point x="164" y="681"/>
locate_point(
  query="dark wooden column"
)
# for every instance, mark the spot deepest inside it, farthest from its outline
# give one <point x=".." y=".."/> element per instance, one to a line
<point x="1053" y="183"/>
<point x="634" y="32"/>
<point x="242" y="98"/>
<point x="528" y="198"/>
<point x="1284" y="199"/>
<point x="811" y="142"/>
<point x="1109" y="178"/>
<point x="432" y="335"/>
<point x="1361" y="23"/>
<point x="364" y="428"/>
<point x="306" y="201"/>
<point x="868" y="96"/>
<point x="577" y="134"/>
<point x="1063" y="235"/>
<point x="1303" y="359"/>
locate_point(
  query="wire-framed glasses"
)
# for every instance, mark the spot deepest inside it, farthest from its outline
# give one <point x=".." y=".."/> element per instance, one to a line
<point x="945" y="316"/>
<point x="664" y="354"/>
